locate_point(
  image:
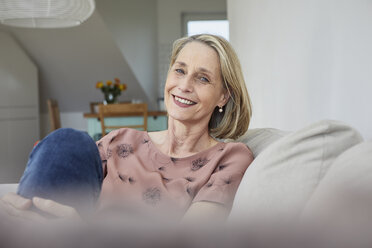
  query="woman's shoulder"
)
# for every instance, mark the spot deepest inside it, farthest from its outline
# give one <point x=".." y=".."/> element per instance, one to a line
<point x="238" y="149"/>
<point x="124" y="133"/>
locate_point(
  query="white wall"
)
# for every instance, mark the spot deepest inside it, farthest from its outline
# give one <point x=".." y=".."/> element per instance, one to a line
<point x="19" y="108"/>
<point x="132" y="24"/>
<point x="305" y="60"/>
<point x="72" y="60"/>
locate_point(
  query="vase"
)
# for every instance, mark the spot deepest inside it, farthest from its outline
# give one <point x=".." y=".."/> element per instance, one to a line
<point x="110" y="98"/>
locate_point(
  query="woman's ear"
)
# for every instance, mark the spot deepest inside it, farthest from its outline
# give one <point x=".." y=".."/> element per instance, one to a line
<point x="224" y="99"/>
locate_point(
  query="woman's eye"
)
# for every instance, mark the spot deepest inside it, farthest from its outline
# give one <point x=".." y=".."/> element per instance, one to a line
<point x="180" y="71"/>
<point x="204" y="79"/>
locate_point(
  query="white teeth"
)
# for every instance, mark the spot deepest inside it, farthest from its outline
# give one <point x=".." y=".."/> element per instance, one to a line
<point x="184" y="101"/>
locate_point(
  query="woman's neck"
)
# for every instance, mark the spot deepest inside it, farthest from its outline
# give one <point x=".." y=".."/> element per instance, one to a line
<point x="181" y="140"/>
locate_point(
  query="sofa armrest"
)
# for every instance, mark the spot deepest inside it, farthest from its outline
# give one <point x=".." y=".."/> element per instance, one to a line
<point x="6" y="188"/>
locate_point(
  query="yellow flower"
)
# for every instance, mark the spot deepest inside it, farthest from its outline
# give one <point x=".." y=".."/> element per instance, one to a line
<point x="99" y="85"/>
<point x="122" y="87"/>
<point x="109" y="83"/>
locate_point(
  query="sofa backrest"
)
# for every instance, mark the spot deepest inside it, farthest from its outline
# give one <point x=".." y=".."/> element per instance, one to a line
<point x="287" y="168"/>
<point x="259" y="139"/>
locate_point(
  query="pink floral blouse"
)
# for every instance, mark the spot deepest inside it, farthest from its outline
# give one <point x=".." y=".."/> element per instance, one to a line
<point x="139" y="177"/>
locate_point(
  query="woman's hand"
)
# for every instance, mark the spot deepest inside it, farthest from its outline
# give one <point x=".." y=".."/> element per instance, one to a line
<point x="19" y="207"/>
<point x="55" y="209"/>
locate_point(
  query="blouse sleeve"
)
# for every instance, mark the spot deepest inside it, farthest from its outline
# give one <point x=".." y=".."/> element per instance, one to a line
<point x="224" y="181"/>
<point x="103" y="148"/>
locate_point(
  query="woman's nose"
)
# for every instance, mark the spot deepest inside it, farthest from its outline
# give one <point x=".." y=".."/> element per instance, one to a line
<point x="186" y="84"/>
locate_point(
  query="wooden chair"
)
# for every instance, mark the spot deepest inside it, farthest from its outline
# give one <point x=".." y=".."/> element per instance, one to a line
<point x="92" y="106"/>
<point x="122" y="110"/>
<point x="54" y="115"/>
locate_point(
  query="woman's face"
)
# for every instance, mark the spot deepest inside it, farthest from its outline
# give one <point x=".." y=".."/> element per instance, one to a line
<point x="194" y="85"/>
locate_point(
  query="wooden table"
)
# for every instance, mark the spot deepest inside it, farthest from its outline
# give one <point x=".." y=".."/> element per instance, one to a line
<point x="156" y="121"/>
<point x="153" y="114"/>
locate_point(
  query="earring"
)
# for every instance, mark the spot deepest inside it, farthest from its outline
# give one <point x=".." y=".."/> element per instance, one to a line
<point x="220" y="110"/>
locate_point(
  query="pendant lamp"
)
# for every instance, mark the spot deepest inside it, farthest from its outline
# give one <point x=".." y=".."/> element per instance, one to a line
<point x="45" y="13"/>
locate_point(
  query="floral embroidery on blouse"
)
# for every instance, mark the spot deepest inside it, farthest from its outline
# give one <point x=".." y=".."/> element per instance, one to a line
<point x="198" y="163"/>
<point x="151" y="196"/>
<point x="124" y="150"/>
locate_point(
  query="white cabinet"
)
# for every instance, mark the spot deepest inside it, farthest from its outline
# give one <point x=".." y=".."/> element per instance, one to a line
<point x="19" y="108"/>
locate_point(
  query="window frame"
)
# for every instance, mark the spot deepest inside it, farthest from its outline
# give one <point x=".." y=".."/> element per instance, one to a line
<point x="206" y="16"/>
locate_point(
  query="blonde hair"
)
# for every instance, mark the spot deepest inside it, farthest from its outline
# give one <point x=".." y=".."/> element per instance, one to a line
<point x="234" y="120"/>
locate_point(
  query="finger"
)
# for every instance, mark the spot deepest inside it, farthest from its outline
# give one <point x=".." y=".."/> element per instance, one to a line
<point x="55" y="208"/>
<point x="21" y="214"/>
<point x="17" y="201"/>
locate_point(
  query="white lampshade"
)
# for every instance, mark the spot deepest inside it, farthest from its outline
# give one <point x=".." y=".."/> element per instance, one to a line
<point x="45" y="13"/>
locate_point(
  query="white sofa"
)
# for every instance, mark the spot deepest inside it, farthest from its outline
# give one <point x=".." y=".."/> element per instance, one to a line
<point x="291" y="170"/>
<point x="313" y="184"/>
<point x="295" y="173"/>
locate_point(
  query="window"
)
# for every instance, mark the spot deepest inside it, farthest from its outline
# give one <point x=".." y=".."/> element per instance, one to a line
<point x="206" y="23"/>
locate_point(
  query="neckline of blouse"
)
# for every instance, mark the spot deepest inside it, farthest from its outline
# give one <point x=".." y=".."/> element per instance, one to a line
<point x="220" y="144"/>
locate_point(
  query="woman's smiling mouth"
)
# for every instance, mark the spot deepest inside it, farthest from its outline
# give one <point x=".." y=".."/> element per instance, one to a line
<point x="182" y="102"/>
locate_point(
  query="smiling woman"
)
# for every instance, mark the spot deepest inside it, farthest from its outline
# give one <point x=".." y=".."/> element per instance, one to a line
<point x="194" y="85"/>
<point x="184" y="171"/>
<point x="221" y="68"/>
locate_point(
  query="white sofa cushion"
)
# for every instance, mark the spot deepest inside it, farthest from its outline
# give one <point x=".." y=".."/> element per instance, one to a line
<point x="6" y="188"/>
<point x="340" y="207"/>
<point x="259" y="139"/>
<point x="347" y="186"/>
<point x="282" y="177"/>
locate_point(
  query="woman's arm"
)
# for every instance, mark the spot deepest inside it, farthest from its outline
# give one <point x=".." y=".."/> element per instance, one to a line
<point x="214" y="200"/>
<point x="206" y="212"/>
